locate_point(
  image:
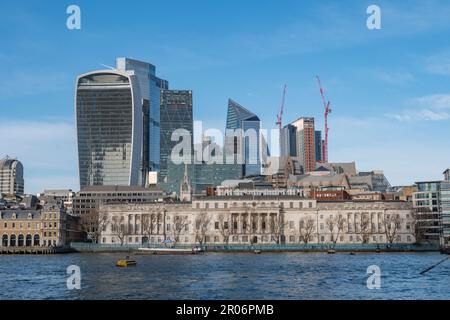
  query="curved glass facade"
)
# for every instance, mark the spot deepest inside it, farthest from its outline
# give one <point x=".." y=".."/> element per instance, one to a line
<point x="104" y="111"/>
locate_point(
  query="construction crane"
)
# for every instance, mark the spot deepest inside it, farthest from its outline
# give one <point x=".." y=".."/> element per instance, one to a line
<point x="279" y="122"/>
<point x="326" y="105"/>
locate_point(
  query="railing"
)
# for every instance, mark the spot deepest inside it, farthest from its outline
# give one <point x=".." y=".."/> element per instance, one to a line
<point x="313" y="247"/>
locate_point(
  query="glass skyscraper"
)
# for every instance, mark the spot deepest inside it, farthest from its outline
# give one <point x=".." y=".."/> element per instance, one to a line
<point x="319" y="146"/>
<point x="246" y="142"/>
<point x="117" y="114"/>
<point x="176" y="113"/>
<point x="288" y="144"/>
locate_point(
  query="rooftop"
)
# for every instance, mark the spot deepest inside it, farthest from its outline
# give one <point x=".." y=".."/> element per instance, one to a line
<point x="119" y="189"/>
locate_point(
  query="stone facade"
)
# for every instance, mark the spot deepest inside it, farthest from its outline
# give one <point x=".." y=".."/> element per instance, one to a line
<point x="257" y="220"/>
<point x="49" y="227"/>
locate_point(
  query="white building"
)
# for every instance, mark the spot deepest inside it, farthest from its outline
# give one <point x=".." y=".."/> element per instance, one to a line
<point x="262" y="220"/>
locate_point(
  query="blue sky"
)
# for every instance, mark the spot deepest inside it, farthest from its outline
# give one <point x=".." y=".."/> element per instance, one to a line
<point x="389" y="88"/>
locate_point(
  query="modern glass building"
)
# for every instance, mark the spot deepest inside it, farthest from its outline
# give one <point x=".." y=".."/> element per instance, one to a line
<point x="201" y="175"/>
<point x="445" y="209"/>
<point x="247" y="138"/>
<point x="117" y="113"/>
<point x="150" y="88"/>
<point x="11" y="176"/>
<point x="288" y="141"/>
<point x="176" y="113"/>
<point x="319" y="146"/>
<point x="427" y="202"/>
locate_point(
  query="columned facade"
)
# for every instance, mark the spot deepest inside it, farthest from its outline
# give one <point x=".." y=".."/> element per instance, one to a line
<point x="265" y="220"/>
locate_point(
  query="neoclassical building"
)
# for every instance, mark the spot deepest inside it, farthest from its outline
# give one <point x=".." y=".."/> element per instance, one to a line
<point x="258" y="220"/>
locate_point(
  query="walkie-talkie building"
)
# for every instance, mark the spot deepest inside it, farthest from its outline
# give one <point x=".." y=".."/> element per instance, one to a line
<point x="117" y="114"/>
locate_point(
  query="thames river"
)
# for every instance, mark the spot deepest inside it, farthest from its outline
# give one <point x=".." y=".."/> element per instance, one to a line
<point x="226" y="276"/>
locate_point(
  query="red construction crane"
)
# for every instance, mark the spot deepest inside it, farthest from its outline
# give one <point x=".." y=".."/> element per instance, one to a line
<point x="280" y="115"/>
<point x="326" y="105"/>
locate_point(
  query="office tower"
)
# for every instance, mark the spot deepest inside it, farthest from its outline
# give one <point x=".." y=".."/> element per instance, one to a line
<point x="432" y="205"/>
<point x="305" y="140"/>
<point x="288" y="138"/>
<point x="201" y="176"/>
<point x="245" y="140"/>
<point x="176" y="113"/>
<point x="117" y="114"/>
<point x="11" y="177"/>
<point x="319" y="146"/>
<point x="150" y="87"/>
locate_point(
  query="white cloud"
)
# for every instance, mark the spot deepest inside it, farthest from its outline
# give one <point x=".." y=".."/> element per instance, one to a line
<point x="46" y="149"/>
<point x="427" y="108"/>
<point x="435" y="101"/>
<point x="420" y="115"/>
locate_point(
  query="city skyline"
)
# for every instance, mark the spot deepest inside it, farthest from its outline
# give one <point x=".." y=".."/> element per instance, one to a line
<point x="400" y="84"/>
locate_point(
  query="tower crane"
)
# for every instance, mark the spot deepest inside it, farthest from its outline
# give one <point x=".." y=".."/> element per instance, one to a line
<point x="279" y="122"/>
<point x="326" y="105"/>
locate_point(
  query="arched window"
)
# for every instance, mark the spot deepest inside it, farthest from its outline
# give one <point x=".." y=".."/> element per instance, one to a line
<point x="5" y="240"/>
<point x="12" y="240"/>
<point x="28" y="241"/>
<point x="20" y="241"/>
<point x="36" y="240"/>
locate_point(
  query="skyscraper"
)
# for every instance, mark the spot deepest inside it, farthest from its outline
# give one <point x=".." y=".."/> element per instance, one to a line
<point x="117" y="114"/>
<point x="305" y="140"/>
<point x="246" y="138"/>
<point x="319" y="146"/>
<point x="288" y="138"/>
<point x="11" y="176"/>
<point x="176" y="113"/>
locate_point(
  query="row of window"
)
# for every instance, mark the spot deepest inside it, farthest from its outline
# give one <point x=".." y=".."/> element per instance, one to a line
<point x="291" y="205"/>
<point x="266" y="239"/>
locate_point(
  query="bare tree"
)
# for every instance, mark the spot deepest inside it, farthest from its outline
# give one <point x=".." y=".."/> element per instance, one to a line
<point x="365" y="228"/>
<point x="93" y="224"/>
<point x="224" y="226"/>
<point x="179" y="224"/>
<point x="416" y="225"/>
<point x="201" y="227"/>
<point x="391" y="225"/>
<point x="149" y="224"/>
<point x="277" y="227"/>
<point x="307" y="228"/>
<point x="120" y="229"/>
<point x="335" y="226"/>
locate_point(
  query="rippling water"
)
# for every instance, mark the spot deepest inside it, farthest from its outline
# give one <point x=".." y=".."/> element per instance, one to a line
<point x="226" y="276"/>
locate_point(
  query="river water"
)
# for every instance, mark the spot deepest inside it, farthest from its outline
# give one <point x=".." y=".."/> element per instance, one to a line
<point x="226" y="276"/>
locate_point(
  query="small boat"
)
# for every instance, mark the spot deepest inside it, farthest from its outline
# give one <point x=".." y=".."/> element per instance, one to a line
<point x="257" y="251"/>
<point x="331" y="251"/>
<point x="123" y="263"/>
<point x="352" y="253"/>
<point x="195" y="250"/>
<point x="445" y="250"/>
